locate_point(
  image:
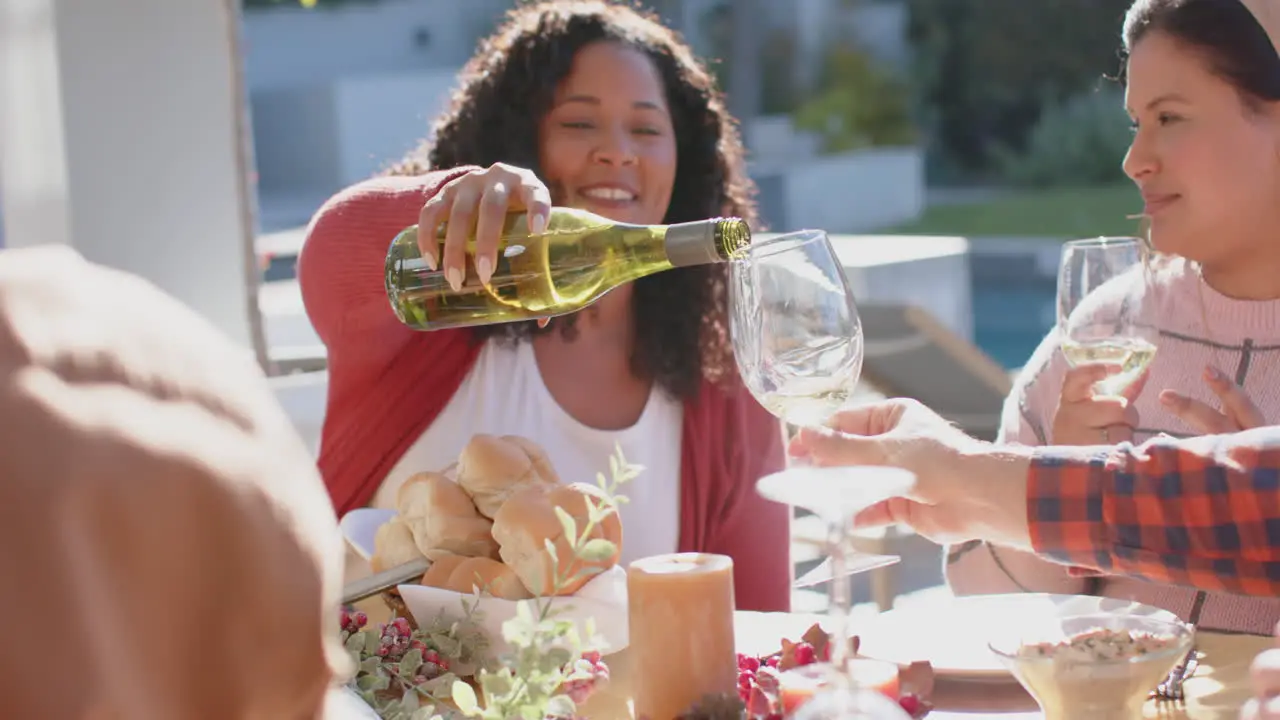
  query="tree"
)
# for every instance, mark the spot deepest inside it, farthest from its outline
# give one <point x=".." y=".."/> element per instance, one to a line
<point x="985" y="70"/>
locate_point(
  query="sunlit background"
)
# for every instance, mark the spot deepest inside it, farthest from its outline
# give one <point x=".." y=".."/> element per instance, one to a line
<point x="948" y="146"/>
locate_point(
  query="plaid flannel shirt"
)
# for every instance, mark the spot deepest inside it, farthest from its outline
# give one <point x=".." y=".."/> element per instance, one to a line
<point x="1202" y="512"/>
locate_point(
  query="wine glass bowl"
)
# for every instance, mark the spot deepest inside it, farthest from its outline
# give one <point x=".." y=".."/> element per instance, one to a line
<point x="796" y="333"/>
<point x="1101" y="293"/>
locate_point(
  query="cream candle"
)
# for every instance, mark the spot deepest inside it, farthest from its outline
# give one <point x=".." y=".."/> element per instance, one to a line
<point x="681" y="627"/>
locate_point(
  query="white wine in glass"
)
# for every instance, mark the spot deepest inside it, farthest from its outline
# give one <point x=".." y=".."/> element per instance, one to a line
<point x="1102" y="289"/>
<point x="796" y="333"/>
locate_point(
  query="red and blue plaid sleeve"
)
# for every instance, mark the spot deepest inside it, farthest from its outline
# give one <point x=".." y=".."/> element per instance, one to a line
<point x="1203" y="512"/>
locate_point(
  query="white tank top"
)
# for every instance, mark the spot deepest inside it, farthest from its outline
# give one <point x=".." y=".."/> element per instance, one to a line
<point x="504" y="395"/>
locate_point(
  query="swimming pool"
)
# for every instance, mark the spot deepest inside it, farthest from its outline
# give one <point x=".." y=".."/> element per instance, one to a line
<point x="1013" y="308"/>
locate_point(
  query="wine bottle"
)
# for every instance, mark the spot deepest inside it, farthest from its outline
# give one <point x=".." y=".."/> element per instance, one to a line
<point x="574" y="262"/>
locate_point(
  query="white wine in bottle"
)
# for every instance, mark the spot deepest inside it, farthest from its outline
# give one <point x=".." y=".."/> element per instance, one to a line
<point x="580" y="257"/>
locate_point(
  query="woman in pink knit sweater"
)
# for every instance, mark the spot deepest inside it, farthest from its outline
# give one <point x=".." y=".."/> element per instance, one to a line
<point x="1204" y="95"/>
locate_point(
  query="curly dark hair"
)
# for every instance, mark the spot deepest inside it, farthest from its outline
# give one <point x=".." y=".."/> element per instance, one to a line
<point x="506" y="89"/>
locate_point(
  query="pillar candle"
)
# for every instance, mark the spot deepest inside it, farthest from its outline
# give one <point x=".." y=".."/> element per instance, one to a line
<point x="681" y="629"/>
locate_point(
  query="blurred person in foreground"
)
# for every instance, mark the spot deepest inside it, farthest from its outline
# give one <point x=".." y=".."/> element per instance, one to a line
<point x="590" y="105"/>
<point x="1196" y="512"/>
<point x="1266" y="687"/>
<point x="1202" y="89"/>
<point x="167" y="549"/>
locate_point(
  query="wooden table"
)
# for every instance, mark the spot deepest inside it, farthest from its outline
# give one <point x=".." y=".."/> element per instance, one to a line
<point x="1216" y="692"/>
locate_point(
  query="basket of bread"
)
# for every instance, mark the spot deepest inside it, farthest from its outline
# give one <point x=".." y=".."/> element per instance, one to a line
<point x="499" y="527"/>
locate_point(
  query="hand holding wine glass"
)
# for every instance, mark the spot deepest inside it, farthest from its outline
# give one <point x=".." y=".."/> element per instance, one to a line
<point x="1101" y="295"/>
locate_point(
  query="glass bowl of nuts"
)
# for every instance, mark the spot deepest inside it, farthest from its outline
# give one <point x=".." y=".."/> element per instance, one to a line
<point x="1091" y="666"/>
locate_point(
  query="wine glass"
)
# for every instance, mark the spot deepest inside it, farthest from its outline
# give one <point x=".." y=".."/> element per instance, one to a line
<point x="836" y="494"/>
<point x="796" y="333"/>
<point x="1101" y="288"/>
<point x="797" y="338"/>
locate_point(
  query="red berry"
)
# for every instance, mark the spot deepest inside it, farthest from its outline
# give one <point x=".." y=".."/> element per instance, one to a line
<point x="745" y="679"/>
<point x="591" y="656"/>
<point x="383" y="651"/>
<point x="746" y="662"/>
<point x="444" y="666"/>
<point x="805" y="654"/>
<point x="773" y="661"/>
<point x="910" y="704"/>
<point x="361" y="619"/>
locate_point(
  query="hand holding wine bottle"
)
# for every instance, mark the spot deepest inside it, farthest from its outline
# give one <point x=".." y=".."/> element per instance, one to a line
<point x="489" y="248"/>
<point x="481" y="199"/>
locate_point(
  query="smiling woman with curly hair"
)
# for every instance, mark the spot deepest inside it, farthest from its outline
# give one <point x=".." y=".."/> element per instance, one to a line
<point x="582" y="104"/>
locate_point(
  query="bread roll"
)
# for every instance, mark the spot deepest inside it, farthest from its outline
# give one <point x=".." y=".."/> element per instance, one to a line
<point x="437" y="575"/>
<point x="393" y="545"/>
<point x="528" y="519"/>
<point x="491" y="468"/>
<point x="443" y="518"/>
<point x="490" y="577"/>
<point x="537" y="456"/>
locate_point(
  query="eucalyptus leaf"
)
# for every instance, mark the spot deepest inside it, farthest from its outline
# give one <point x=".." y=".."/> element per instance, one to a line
<point x="497" y="684"/>
<point x="410" y="701"/>
<point x="551" y="550"/>
<point x="356" y="643"/>
<point x="370" y="665"/>
<point x="410" y="663"/>
<point x="371" y="643"/>
<point x="597" y="550"/>
<point x="567" y="522"/>
<point x="378" y="681"/>
<point x="464" y="696"/>
<point x="561" y="706"/>
<point x="555" y="658"/>
<point x="366" y="682"/>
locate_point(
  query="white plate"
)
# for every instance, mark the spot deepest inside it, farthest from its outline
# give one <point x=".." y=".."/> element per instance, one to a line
<point x="604" y="598"/>
<point x="954" y="637"/>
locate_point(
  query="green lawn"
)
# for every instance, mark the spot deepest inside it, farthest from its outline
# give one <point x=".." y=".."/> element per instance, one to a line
<point x="1058" y="213"/>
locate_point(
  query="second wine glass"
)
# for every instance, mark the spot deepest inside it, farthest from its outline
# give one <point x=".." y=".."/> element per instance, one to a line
<point x="796" y="333"/>
<point x="1101" y="293"/>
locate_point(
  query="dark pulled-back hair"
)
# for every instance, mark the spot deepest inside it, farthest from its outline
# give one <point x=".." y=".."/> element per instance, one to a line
<point x="680" y="316"/>
<point x="1224" y="32"/>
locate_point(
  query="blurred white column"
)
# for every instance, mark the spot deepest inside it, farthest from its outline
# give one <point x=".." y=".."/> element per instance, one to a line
<point x="123" y="133"/>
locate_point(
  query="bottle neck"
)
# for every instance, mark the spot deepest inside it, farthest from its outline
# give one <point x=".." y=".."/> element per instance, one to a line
<point x="693" y="243"/>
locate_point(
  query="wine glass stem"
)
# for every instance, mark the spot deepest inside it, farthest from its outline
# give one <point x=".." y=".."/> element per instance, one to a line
<point x="839" y="594"/>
